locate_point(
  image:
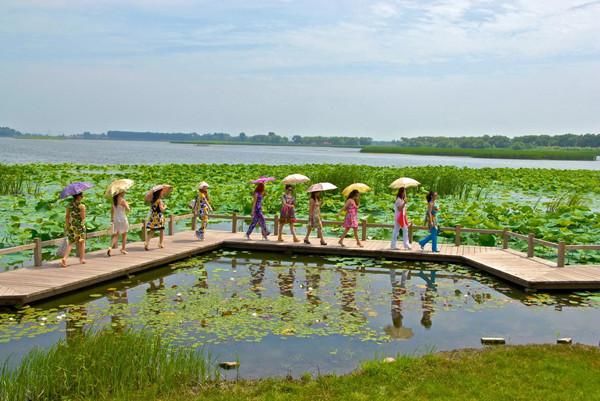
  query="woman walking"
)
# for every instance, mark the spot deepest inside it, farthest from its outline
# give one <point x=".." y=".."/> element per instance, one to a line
<point x="287" y="215"/>
<point x="201" y="209"/>
<point x="351" y="220"/>
<point x="156" y="219"/>
<point x="432" y="222"/>
<point x="119" y="211"/>
<point x="400" y="220"/>
<point x="314" y="217"/>
<point x="75" y="229"/>
<point x="257" y="213"/>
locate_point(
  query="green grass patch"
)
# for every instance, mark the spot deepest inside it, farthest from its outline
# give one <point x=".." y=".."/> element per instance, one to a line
<point x="104" y="365"/>
<point x="544" y="372"/>
<point x="107" y="366"/>
<point x="492" y="153"/>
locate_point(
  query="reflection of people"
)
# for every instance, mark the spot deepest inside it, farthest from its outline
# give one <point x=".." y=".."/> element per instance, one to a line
<point x="257" y="274"/>
<point x="428" y="307"/>
<point x="286" y="282"/>
<point x="202" y="280"/>
<point x="117" y="299"/>
<point x="75" y="319"/>
<point x="398" y="291"/>
<point x="313" y="279"/>
<point x="348" y="290"/>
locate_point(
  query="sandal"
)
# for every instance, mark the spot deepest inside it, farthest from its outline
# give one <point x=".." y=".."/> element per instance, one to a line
<point x="307" y="242"/>
<point x="108" y="253"/>
<point x="124" y="252"/>
<point x="323" y="243"/>
<point x="63" y="263"/>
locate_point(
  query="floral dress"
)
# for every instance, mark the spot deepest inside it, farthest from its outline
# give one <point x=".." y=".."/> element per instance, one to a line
<point x="314" y="217"/>
<point x="201" y="209"/>
<point x="75" y="231"/>
<point x="351" y="220"/>
<point x="156" y="220"/>
<point x="258" y="218"/>
<point x="288" y="209"/>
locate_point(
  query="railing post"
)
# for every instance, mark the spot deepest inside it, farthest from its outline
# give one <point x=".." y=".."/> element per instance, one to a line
<point x="457" y="235"/>
<point x="276" y="224"/>
<point x="234" y="221"/>
<point x="410" y="233"/>
<point x="560" y="258"/>
<point x="505" y="238"/>
<point x="194" y="221"/>
<point x="363" y="223"/>
<point x="530" y="245"/>
<point x="37" y="252"/>
<point x="171" y="225"/>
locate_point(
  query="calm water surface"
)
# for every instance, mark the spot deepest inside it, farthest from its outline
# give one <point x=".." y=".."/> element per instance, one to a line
<point x="284" y="314"/>
<point x="138" y="152"/>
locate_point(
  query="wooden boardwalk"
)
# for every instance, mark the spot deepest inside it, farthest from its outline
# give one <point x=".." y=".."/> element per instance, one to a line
<point x="27" y="285"/>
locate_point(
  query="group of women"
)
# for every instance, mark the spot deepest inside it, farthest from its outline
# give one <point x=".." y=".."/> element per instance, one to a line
<point x="76" y="213"/>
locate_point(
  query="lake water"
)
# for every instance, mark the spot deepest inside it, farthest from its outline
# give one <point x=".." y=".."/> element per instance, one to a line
<point x="281" y="314"/>
<point x="138" y="152"/>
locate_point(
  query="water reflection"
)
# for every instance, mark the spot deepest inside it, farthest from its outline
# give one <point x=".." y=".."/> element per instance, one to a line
<point x="285" y="280"/>
<point x="397" y="330"/>
<point x="257" y="275"/>
<point x="348" y="290"/>
<point x="75" y="320"/>
<point x="118" y="305"/>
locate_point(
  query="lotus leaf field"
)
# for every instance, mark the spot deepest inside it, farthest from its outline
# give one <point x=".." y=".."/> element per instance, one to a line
<point x="553" y="204"/>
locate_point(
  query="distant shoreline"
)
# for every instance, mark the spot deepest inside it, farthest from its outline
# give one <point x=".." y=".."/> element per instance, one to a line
<point x="264" y="144"/>
<point x="581" y="154"/>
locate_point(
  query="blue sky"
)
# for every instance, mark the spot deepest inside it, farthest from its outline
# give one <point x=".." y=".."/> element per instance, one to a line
<point x="378" y="68"/>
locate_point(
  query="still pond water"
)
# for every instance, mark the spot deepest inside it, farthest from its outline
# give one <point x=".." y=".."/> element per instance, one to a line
<point x="281" y="314"/>
<point x="141" y="152"/>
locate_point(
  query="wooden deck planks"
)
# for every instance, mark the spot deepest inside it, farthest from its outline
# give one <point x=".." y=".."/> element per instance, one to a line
<point x="33" y="284"/>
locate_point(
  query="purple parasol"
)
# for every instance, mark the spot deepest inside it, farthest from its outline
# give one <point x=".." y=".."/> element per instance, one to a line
<point x="263" y="179"/>
<point x="74" y="189"/>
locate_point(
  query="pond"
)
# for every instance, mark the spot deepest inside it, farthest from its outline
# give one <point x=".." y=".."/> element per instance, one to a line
<point x="282" y="315"/>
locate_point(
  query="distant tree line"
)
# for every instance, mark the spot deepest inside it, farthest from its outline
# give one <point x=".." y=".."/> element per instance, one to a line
<point x="499" y="141"/>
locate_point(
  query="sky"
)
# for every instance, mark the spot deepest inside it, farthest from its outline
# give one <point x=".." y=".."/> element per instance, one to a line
<point x="383" y="69"/>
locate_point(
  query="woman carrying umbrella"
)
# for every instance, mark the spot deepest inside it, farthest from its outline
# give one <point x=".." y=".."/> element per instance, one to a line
<point x="287" y="214"/>
<point x="351" y="220"/>
<point x="432" y="223"/>
<point x="314" y="210"/>
<point x="201" y="209"/>
<point x="257" y="213"/>
<point x="400" y="220"/>
<point x="75" y="221"/>
<point x="156" y="219"/>
<point x="119" y="211"/>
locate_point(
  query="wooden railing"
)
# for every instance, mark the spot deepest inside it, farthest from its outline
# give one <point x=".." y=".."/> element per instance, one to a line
<point x="506" y="235"/>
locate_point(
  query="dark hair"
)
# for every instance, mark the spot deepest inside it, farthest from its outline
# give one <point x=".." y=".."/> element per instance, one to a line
<point x="353" y="194"/>
<point x="315" y="195"/>
<point x="289" y="186"/>
<point x="430" y="195"/>
<point x="260" y="188"/>
<point x="401" y="193"/>
<point x="116" y="199"/>
<point x="78" y="196"/>
<point x="156" y="195"/>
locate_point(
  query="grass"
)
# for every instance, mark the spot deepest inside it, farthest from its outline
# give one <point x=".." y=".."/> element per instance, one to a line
<point x="496" y="153"/>
<point x="101" y="366"/>
<point x="134" y="366"/>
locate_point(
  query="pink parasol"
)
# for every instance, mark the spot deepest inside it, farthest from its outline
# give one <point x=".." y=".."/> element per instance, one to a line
<point x="263" y="179"/>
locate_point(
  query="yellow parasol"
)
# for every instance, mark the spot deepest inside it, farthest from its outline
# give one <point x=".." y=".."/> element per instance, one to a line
<point x="359" y="186"/>
<point x="118" y="186"/>
<point x="404" y="182"/>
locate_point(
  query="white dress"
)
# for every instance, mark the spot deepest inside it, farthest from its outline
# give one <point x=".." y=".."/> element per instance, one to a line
<point x="120" y="222"/>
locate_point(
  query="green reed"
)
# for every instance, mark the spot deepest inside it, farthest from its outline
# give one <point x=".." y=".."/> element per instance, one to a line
<point x="104" y="365"/>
